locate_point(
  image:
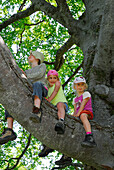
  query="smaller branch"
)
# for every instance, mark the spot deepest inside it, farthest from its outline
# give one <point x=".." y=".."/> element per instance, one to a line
<point x="72" y="75"/>
<point x="22" y="5"/>
<point x="24" y="30"/>
<point x="69" y="64"/>
<point x="17" y="16"/>
<point x="35" y="23"/>
<point x="18" y="159"/>
<point x="21" y="37"/>
<point x="49" y="63"/>
<point x="59" y="55"/>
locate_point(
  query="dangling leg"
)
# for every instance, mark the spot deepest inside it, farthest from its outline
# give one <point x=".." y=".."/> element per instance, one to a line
<point x="38" y="91"/>
<point x="45" y="151"/>
<point x="89" y="141"/>
<point x="60" y="127"/>
<point x="8" y="133"/>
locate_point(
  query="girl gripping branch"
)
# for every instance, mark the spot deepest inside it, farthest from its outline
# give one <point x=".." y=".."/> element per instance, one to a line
<point x="56" y="97"/>
<point x="83" y="109"/>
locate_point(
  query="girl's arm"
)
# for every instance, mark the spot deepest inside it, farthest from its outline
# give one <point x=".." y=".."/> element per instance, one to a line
<point x="74" y="114"/>
<point x="56" y="89"/>
<point x="82" y="106"/>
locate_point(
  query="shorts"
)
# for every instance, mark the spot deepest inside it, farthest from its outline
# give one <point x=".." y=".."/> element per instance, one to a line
<point x="7" y="115"/>
<point x="89" y="113"/>
<point x="66" y="109"/>
<point x="39" y="90"/>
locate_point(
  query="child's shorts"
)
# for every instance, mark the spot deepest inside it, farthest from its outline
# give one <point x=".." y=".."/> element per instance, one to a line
<point x="66" y="110"/>
<point x="90" y="114"/>
<point x="7" y="115"/>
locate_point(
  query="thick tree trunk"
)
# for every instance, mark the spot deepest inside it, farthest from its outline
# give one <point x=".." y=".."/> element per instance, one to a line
<point x="15" y="95"/>
<point x="98" y="50"/>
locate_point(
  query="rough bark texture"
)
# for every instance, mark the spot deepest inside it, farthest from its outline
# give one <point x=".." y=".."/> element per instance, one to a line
<point x="94" y="34"/>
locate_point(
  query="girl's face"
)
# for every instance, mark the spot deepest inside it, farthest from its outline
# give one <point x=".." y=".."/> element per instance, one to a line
<point x="80" y="87"/>
<point x="52" y="79"/>
<point x="31" y="58"/>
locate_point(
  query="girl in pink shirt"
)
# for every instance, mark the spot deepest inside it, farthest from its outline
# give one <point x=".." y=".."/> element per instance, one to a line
<point x="83" y="109"/>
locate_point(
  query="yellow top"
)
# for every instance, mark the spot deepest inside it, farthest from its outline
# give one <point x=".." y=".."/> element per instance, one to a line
<point x="60" y="97"/>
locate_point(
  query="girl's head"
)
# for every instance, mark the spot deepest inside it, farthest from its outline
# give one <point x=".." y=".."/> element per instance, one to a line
<point x="79" y="84"/>
<point x="35" y="55"/>
<point x="52" y="77"/>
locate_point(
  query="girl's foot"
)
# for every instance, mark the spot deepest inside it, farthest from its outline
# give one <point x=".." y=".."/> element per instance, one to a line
<point x="89" y="141"/>
<point x="45" y="151"/>
<point x="60" y="127"/>
<point x="36" y="117"/>
<point x="64" y="160"/>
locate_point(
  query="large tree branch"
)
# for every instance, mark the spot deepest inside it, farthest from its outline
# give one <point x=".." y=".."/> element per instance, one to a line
<point x="17" y="99"/>
<point x="62" y="16"/>
<point x="62" y="6"/>
<point x="18" y="16"/>
<point x="59" y="55"/>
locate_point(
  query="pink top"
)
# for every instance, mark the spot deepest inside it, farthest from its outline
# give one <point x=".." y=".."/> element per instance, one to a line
<point x="78" y="100"/>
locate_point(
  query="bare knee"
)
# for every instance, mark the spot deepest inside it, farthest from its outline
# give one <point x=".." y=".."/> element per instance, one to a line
<point x="59" y="105"/>
<point x="83" y="117"/>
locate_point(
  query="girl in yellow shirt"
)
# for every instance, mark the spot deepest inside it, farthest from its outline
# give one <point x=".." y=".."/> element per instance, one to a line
<point x="56" y="97"/>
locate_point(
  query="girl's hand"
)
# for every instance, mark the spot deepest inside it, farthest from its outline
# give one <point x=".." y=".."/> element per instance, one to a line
<point x="74" y="114"/>
<point x="49" y="99"/>
<point x="77" y="115"/>
<point x="45" y="98"/>
<point x="23" y="71"/>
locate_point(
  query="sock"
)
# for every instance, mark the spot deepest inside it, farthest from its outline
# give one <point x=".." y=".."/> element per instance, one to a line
<point x="61" y="119"/>
<point x="88" y="133"/>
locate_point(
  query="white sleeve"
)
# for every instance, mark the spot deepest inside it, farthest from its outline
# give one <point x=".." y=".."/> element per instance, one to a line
<point x="86" y="95"/>
<point x="73" y="101"/>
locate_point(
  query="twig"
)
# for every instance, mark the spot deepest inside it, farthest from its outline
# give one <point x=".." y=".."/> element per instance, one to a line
<point x="18" y="159"/>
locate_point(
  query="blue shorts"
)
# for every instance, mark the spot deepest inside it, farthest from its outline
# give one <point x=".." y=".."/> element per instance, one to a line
<point x="7" y="115"/>
<point x="66" y="110"/>
<point x="39" y="90"/>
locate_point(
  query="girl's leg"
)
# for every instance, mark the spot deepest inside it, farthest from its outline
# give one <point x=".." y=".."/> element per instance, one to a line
<point x="59" y="127"/>
<point x="61" y="110"/>
<point x="85" y="121"/>
<point x="37" y="93"/>
<point x="37" y="101"/>
<point x="10" y="122"/>
<point x="89" y="140"/>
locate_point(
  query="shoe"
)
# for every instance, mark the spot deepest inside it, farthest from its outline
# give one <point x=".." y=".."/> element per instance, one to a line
<point x="64" y="160"/>
<point x="7" y="135"/>
<point x="60" y="127"/>
<point x="36" y="116"/>
<point x="45" y="151"/>
<point x="89" y="141"/>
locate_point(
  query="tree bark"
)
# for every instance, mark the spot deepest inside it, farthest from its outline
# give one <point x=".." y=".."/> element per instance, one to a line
<point x="16" y="97"/>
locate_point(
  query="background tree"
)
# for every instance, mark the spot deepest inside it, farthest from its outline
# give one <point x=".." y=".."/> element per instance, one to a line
<point x="57" y="28"/>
